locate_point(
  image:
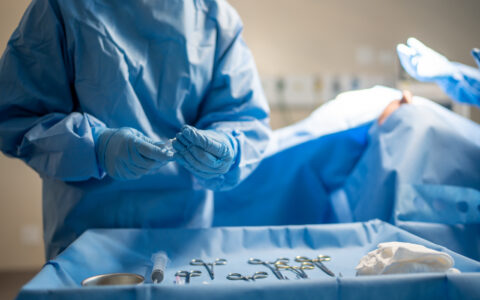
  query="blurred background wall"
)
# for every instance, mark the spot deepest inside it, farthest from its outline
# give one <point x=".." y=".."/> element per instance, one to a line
<point x="307" y="51"/>
<point x="21" y="241"/>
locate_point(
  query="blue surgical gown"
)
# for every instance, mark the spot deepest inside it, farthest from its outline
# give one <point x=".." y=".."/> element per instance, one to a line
<point x="463" y="85"/>
<point x="152" y="65"/>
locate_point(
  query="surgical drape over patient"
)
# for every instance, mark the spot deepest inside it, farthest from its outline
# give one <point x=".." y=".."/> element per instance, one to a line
<point x="422" y="164"/>
<point x="72" y="68"/>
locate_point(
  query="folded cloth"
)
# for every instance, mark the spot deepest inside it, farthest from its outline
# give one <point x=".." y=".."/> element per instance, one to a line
<point x="398" y="258"/>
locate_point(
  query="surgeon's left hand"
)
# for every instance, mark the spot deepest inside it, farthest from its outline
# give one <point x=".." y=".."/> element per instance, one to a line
<point x="205" y="153"/>
<point x="423" y="63"/>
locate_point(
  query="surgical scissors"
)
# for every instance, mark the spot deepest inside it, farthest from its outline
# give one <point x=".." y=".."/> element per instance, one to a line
<point x="298" y="270"/>
<point x="209" y="266"/>
<point x="255" y="276"/>
<point x="275" y="271"/>
<point x="318" y="262"/>
<point x="187" y="274"/>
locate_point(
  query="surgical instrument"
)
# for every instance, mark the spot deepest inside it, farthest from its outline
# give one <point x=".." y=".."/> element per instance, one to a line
<point x="298" y="270"/>
<point x="159" y="263"/>
<point x="318" y="262"/>
<point x="275" y="271"/>
<point x="209" y="266"/>
<point x="188" y="275"/>
<point x="255" y="276"/>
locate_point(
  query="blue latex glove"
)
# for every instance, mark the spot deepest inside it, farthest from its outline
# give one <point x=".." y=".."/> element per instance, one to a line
<point x="423" y="63"/>
<point x="126" y="153"/>
<point x="460" y="82"/>
<point x="476" y="56"/>
<point x="205" y="153"/>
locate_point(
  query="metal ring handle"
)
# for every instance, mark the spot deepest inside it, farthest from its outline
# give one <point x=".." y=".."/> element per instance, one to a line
<point x="235" y="276"/>
<point x="195" y="273"/>
<point x="260" y="275"/>
<point x="302" y="259"/>
<point x="255" y="261"/>
<point x="220" y="261"/>
<point x="323" y="257"/>
<point x="197" y="262"/>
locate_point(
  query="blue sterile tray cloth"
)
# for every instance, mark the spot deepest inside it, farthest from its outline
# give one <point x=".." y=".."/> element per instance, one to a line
<point x="129" y="250"/>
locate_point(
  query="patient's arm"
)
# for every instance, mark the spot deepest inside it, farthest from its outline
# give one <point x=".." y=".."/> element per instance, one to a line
<point x="394" y="105"/>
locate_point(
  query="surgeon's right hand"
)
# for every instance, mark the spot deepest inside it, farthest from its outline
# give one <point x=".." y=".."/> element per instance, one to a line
<point x="125" y="153"/>
<point x="423" y="63"/>
<point x="207" y="154"/>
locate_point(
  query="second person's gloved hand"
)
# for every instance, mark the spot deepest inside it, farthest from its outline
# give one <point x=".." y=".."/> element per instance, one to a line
<point x="423" y="63"/>
<point x="125" y="153"/>
<point x="476" y="56"/>
<point x="460" y="82"/>
<point x="205" y="153"/>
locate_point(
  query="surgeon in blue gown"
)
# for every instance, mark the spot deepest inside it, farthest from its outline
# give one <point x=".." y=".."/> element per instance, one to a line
<point x="459" y="81"/>
<point x="93" y="92"/>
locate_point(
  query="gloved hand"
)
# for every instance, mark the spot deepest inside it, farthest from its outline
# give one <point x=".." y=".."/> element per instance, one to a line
<point x="125" y="153"/>
<point x="423" y="63"/>
<point x="476" y="56"/>
<point x="205" y="153"/>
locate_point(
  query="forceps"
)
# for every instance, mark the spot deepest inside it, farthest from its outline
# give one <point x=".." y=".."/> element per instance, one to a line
<point x="275" y="271"/>
<point x="318" y="262"/>
<point x="187" y="275"/>
<point x="209" y="266"/>
<point x="255" y="276"/>
<point x="298" y="270"/>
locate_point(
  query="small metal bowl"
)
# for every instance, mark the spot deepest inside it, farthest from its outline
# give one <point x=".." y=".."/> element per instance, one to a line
<point x="113" y="279"/>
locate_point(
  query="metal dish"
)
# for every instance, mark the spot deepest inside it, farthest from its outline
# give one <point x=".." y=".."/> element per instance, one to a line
<point x="113" y="279"/>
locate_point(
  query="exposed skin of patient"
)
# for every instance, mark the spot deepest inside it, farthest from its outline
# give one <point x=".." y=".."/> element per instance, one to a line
<point x="394" y="105"/>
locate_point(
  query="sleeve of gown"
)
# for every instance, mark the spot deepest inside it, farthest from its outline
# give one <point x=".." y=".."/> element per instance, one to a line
<point x="235" y="103"/>
<point x="38" y="119"/>
<point x="464" y="85"/>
